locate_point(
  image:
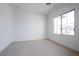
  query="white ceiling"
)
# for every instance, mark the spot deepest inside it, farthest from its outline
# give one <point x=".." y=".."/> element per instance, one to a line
<point x="34" y="7"/>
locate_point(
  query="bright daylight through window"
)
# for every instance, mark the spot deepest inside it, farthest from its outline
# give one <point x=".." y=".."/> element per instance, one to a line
<point x="64" y="24"/>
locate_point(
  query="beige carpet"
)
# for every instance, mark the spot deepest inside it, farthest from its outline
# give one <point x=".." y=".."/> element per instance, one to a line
<point x="36" y="48"/>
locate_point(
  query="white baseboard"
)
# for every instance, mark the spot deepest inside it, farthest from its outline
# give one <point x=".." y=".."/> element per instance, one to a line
<point x="27" y="40"/>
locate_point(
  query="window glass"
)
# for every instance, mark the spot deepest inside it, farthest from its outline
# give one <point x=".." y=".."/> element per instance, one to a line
<point x="64" y="24"/>
<point x="68" y="23"/>
<point x="57" y="25"/>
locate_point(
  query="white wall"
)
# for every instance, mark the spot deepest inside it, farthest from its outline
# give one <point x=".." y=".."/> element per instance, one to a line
<point x="28" y="25"/>
<point x="5" y="26"/>
<point x="68" y="41"/>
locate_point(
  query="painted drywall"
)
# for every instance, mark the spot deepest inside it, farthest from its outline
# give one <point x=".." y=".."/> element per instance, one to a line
<point x="28" y="25"/>
<point x="68" y="41"/>
<point x="5" y="25"/>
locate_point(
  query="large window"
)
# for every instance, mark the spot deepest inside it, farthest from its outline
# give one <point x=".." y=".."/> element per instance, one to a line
<point x="64" y="24"/>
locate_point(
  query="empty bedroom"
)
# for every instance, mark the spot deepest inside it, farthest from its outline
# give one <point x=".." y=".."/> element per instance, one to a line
<point x="39" y="29"/>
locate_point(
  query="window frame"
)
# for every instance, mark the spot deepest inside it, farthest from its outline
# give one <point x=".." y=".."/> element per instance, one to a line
<point x="61" y="21"/>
